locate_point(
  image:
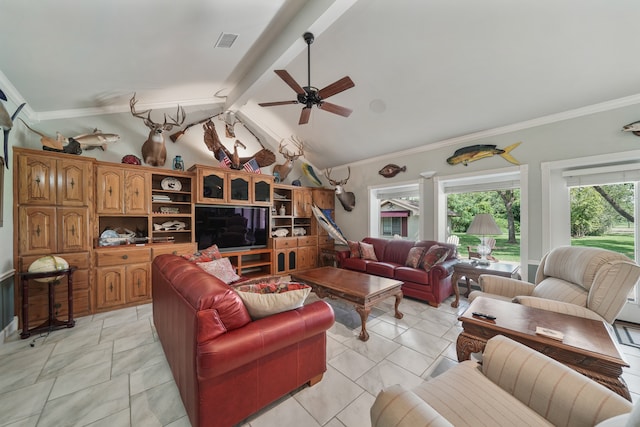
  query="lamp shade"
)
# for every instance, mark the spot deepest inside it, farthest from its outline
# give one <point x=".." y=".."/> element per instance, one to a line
<point x="483" y="225"/>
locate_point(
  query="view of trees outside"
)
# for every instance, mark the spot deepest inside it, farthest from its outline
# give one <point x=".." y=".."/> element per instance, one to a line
<point x="503" y="205"/>
<point x="601" y="216"/>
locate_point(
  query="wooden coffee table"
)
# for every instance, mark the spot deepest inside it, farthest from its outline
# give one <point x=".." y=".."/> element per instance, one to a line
<point x="587" y="347"/>
<point x="360" y="289"/>
<point x="472" y="271"/>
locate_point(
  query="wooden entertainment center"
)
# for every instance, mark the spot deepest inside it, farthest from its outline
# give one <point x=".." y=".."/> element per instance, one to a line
<point x="64" y="203"/>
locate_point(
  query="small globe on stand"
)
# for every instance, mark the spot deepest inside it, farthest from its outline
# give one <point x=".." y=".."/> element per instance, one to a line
<point x="49" y="263"/>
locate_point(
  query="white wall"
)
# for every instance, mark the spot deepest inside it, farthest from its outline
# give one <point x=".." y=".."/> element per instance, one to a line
<point x="6" y="231"/>
<point x="584" y="136"/>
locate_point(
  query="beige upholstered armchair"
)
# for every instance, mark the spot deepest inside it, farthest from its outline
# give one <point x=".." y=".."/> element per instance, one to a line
<point x="587" y="282"/>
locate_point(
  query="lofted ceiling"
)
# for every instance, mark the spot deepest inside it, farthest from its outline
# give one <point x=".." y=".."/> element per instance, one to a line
<point x="425" y="71"/>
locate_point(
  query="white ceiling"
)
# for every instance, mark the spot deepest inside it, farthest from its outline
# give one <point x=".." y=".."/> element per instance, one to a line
<point x="426" y="71"/>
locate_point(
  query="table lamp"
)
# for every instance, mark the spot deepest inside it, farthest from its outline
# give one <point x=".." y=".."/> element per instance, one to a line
<point x="483" y="225"/>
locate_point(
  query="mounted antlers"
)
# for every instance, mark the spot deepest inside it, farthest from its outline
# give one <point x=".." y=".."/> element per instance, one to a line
<point x="154" y="152"/>
<point x="346" y="198"/>
<point x="284" y="169"/>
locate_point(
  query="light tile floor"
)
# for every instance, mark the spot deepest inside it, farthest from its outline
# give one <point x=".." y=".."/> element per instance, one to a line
<point x="110" y="370"/>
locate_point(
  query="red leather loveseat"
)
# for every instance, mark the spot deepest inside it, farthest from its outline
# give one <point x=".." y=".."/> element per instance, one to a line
<point x="225" y="365"/>
<point x="433" y="286"/>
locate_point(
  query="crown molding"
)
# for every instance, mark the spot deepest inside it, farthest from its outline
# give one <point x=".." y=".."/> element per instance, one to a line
<point x="527" y="124"/>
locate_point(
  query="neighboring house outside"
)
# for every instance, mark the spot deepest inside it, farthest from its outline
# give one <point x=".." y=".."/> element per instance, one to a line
<point x="400" y="217"/>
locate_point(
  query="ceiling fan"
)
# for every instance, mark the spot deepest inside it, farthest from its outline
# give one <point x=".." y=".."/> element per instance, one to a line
<point x="310" y="95"/>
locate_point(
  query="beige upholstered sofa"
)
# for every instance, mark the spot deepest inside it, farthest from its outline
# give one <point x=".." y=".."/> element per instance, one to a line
<point x="586" y="282"/>
<point x="514" y="386"/>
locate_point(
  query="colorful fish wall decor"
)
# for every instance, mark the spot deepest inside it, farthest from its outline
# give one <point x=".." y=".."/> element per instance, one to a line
<point x="476" y="152"/>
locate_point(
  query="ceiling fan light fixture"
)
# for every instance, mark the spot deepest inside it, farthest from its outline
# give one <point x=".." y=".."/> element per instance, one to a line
<point x="311" y="95"/>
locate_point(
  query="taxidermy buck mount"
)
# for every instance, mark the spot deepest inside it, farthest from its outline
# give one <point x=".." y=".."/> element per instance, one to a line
<point x="347" y="198"/>
<point x="282" y="171"/>
<point x="310" y="95"/>
<point x="154" y="151"/>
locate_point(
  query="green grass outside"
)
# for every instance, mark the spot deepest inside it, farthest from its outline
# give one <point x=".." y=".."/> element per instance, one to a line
<point x="617" y="242"/>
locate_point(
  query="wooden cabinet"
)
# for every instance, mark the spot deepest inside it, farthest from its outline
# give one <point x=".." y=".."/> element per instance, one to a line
<point x="302" y="202"/>
<point x="48" y="229"/>
<point x="54" y="198"/>
<point x="307" y="252"/>
<point x="298" y="248"/>
<point x="123" y="276"/>
<point x="226" y="186"/>
<point x="122" y="191"/>
<point x="172" y="208"/>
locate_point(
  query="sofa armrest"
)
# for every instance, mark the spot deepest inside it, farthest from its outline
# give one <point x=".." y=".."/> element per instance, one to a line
<point x="262" y="337"/>
<point x="558" y="307"/>
<point x="504" y="286"/>
<point x="399" y="407"/>
<point x="555" y="391"/>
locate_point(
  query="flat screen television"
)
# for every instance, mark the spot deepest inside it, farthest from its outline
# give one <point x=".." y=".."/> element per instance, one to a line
<point x="232" y="227"/>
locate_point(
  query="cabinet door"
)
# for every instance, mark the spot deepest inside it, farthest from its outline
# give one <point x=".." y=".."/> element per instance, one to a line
<point x="110" y="183"/>
<point x="138" y="282"/>
<point x="36" y="180"/>
<point x="239" y="186"/>
<point x="302" y="200"/>
<point x="74" y="182"/>
<point x="286" y="260"/>
<point x="324" y="198"/>
<point x="211" y="186"/>
<point x="110" y="286"/>
<point x="73" y="229"/>
<point x="37" y="230"/>
<point x="262" y="190"/>
<point x="137" y="186"/>
<point x="307" y="257"/>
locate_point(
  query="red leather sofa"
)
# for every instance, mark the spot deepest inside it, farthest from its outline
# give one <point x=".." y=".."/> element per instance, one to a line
<point x="225" y="365"/>
<point x="433" y="286"/>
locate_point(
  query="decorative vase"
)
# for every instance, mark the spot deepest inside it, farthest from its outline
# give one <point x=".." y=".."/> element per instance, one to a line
<point x="283" y="210"/>
<point x="178" y="164"/>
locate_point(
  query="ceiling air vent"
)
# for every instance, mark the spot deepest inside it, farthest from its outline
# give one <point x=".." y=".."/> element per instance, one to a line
<point x="226" y="40"/>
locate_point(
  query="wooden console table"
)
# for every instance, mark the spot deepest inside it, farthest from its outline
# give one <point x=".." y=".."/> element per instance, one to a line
<point x="52" y="322"/>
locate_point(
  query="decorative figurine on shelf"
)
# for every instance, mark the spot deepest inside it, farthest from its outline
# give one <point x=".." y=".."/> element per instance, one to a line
<point x="178" y="163"/>
<point x="283" y="210"/>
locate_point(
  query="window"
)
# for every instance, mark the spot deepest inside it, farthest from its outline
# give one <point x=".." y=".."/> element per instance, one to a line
<point x="569" y="183"/>
<point x="395" y="211"/>
<point x="500" y="179"/>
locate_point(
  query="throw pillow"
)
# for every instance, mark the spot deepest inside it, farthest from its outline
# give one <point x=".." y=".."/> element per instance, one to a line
<point x="367" y="251"/>
<point x="354" y="247"/>
<point x="434" y="255"/>
<point x="221" y="268"/>
<point x="265" y="299"/>
<point x="205" y="255"/>
<point x="414" y="258"/>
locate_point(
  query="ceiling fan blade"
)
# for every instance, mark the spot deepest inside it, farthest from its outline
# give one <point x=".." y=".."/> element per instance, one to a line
<point x="304" y="116"/>
<point x="336" y="109"/>
<point x="273" y="104"/>
<point x="336" y="87"/>
<point x="284" y="75"/>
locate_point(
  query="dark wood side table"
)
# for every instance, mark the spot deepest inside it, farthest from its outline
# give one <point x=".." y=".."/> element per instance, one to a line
<point x="332" y="256"/>
<point x="472" y="271"/>
<point x="52" y="323"/>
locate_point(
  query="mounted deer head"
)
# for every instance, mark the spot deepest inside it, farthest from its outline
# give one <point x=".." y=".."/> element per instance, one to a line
<point x="347" y="198"/>
<point x="154" y="152"/>
<point x="284" y="169"/>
